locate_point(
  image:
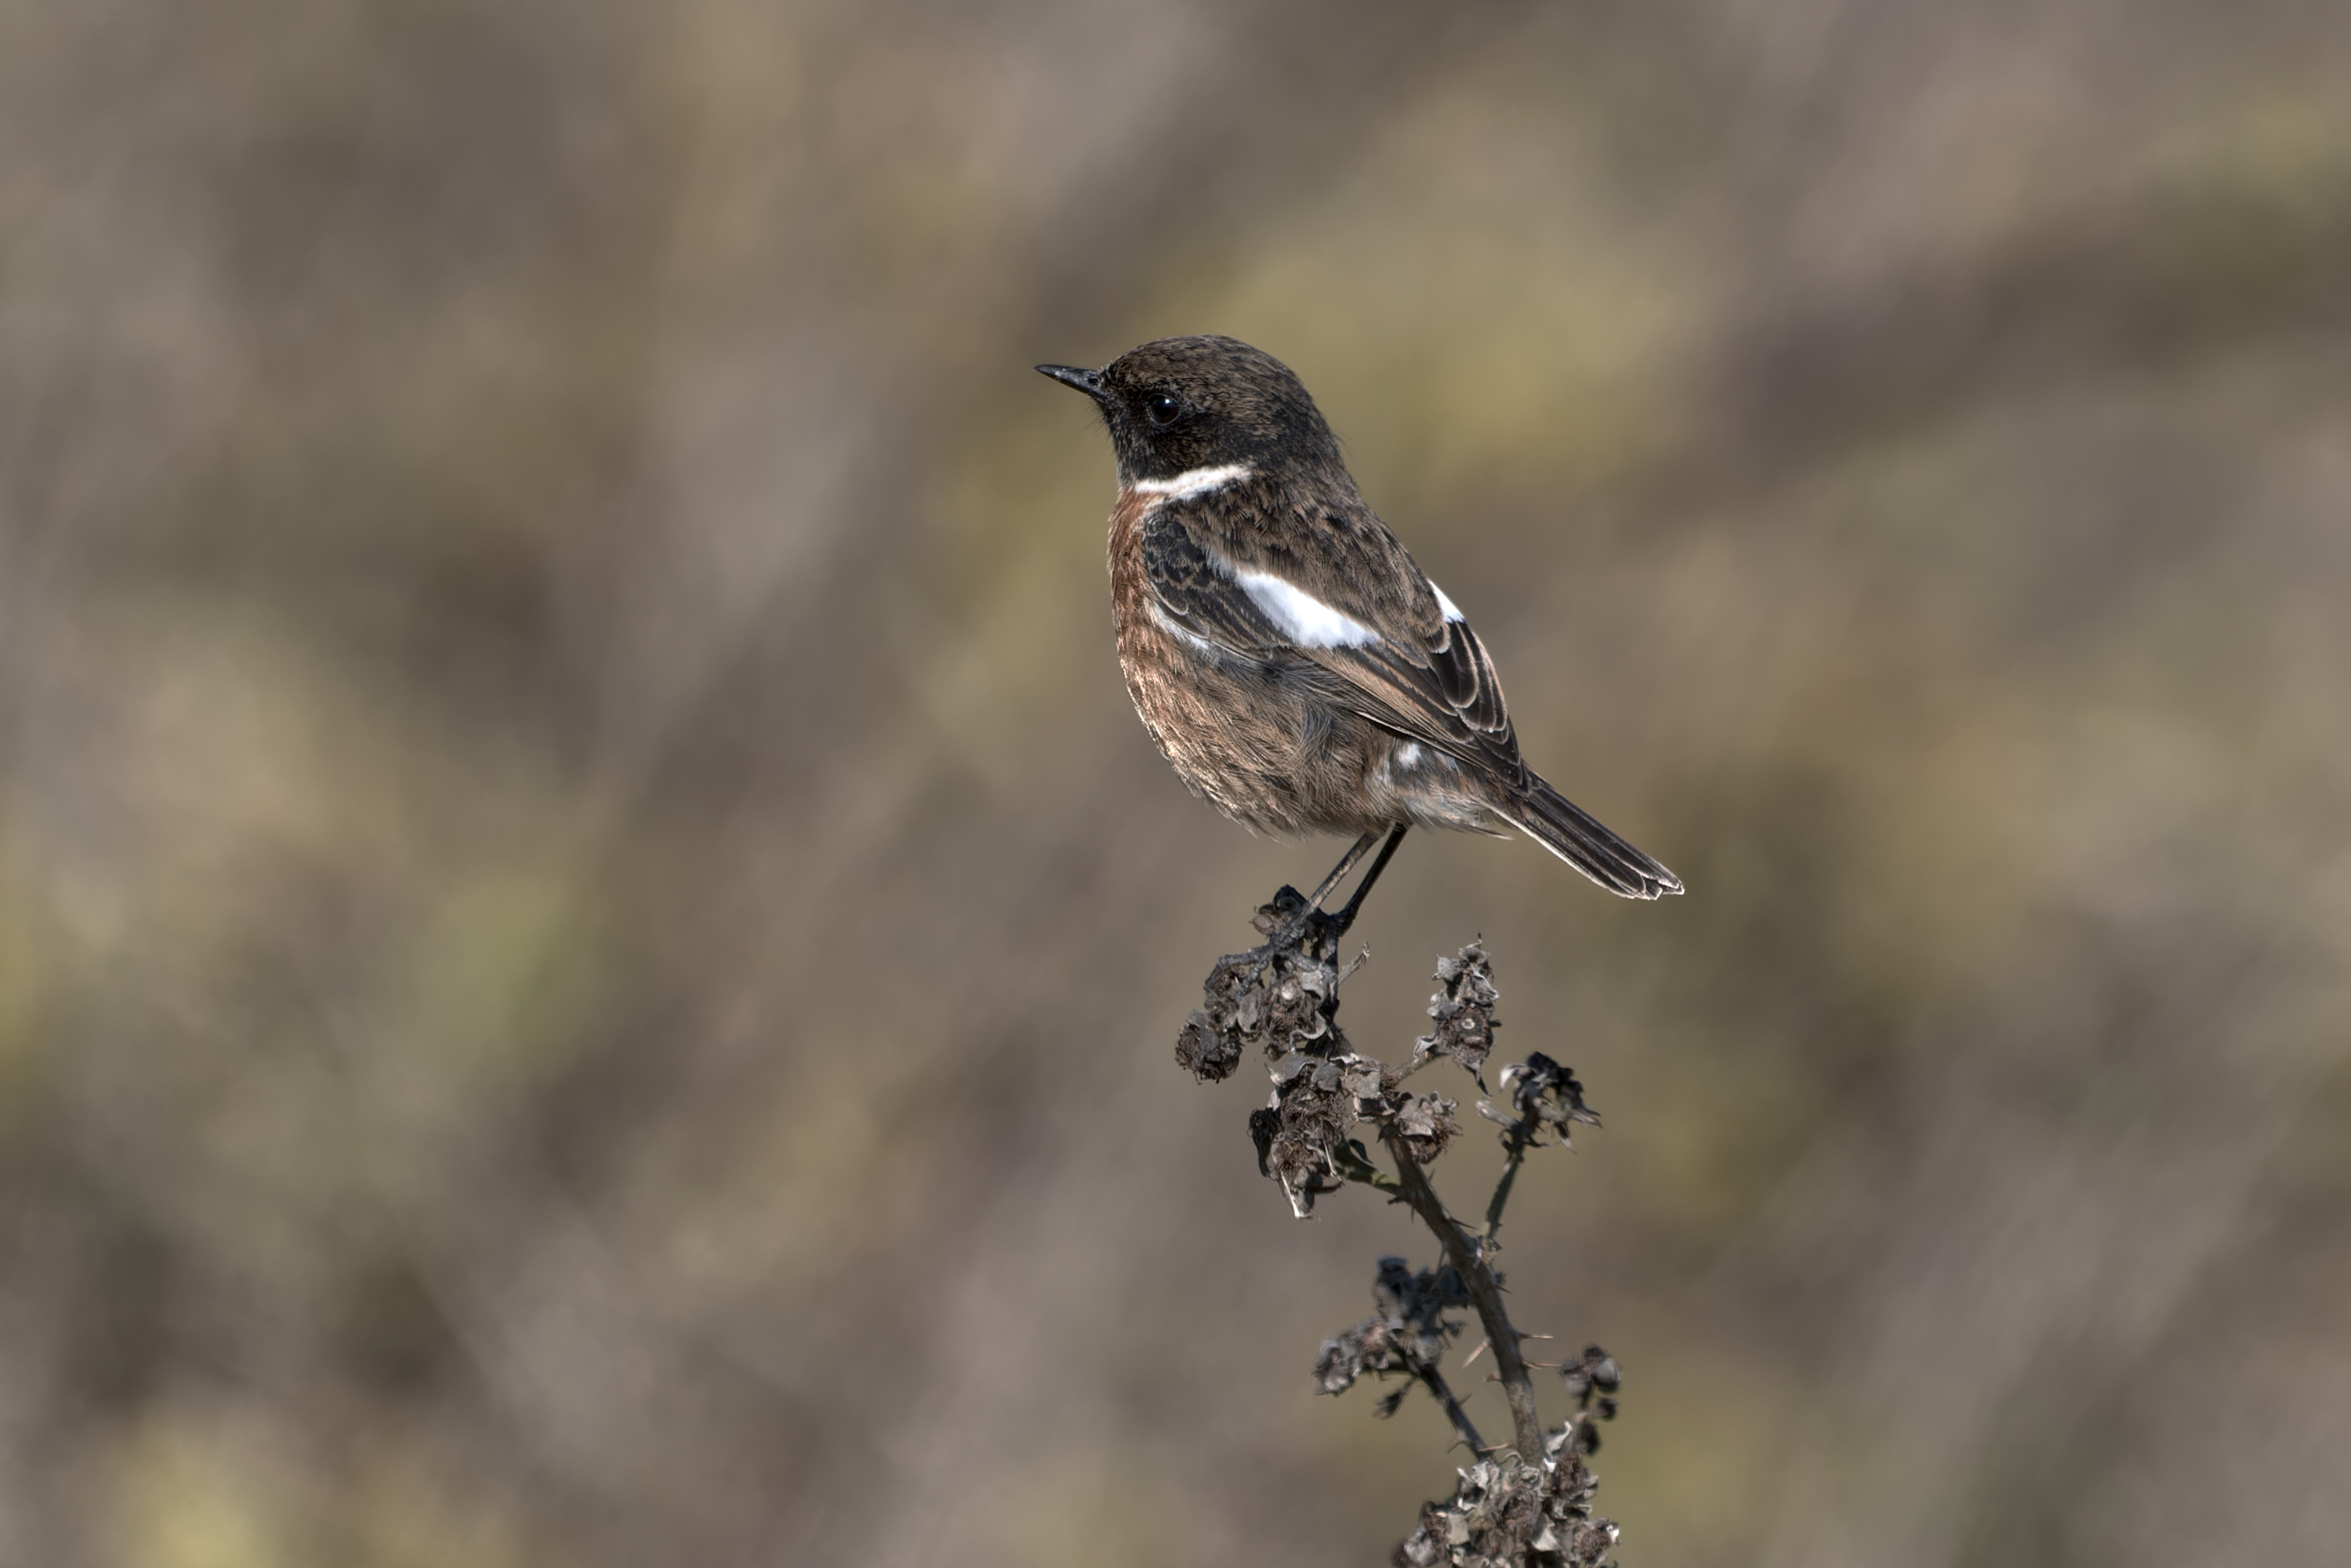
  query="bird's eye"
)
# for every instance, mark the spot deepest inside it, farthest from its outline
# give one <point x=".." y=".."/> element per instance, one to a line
<point x="1161" y="408"/>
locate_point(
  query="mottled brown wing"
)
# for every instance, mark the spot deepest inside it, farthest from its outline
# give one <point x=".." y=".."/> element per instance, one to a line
<point x="1395" y="658"/>
<point x="1199" y="600"/>
<point x="1441" y="690"/>
<point x="1436" y="688"/>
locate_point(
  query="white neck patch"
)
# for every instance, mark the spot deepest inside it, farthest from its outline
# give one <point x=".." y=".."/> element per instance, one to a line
<point x="1193" y="482"/>
<point x="1300" y="616"/>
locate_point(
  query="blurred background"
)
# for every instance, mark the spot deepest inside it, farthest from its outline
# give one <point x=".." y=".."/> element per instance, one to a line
<point x="590" y="946"/>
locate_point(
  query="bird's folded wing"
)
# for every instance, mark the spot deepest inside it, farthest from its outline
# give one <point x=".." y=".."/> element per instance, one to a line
<point x="1396" y="657"/>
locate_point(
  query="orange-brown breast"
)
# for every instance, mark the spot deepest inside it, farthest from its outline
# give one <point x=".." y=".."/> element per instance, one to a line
<point x="1146" y="655"/>
<point x="1128" y="586"/>
<point x="1230" y="732"/>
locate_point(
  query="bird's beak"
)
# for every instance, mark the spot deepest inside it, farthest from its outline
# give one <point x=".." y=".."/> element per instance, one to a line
<point x="1087" y="382"/>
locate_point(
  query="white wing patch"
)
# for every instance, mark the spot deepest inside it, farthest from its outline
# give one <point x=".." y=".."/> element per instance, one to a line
<point x="1193" y="482"/>
<point x="1300" y="616"/>
<point x="1452" y="610"/>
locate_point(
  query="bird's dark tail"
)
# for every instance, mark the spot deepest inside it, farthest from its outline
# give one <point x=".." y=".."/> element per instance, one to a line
<point x="1567" y="830"/>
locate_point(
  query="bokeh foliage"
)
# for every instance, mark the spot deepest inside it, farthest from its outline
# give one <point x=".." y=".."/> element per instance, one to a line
<point x="588" y="944"/>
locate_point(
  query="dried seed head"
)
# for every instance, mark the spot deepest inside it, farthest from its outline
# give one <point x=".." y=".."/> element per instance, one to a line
<point x="1463" y="1008"/>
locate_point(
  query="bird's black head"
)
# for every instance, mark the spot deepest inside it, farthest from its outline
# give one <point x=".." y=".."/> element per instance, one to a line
<point x="1182" y="403"/>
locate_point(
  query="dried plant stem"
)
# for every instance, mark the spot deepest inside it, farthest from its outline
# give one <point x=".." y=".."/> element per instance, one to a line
<point x="1460" y="1417"/>
<point x="1485" y="1292"/>
<point x="1521" y="1504"/>
<point x="1515" y="1145"/>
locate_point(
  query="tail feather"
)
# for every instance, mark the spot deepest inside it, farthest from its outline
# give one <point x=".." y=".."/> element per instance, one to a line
<point x="1572" y="833"/>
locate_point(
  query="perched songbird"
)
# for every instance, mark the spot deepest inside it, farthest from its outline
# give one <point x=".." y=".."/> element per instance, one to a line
<point x="1291" y="661"/>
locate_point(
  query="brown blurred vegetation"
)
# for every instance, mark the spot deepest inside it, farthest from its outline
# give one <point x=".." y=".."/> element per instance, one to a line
<point x="588" y="945"/>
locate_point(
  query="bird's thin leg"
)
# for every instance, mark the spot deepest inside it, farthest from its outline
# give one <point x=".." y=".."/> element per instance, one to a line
<point x="1297" y="923"/>
<point x="1339" y="873"/>
<point x="1346" y="916"/>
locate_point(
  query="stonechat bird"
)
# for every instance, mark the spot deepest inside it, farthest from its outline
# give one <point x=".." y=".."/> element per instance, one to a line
<point x="1295" y="667"/>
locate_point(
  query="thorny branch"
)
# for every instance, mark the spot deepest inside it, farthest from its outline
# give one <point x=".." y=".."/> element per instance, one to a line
<point x="1485" y="1292"/>
<point x="1544" y="1094"/>
<point x="1529" y="1503"/>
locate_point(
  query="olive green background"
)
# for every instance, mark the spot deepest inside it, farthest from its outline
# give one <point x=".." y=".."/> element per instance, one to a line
<point x="588" y="945"/>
